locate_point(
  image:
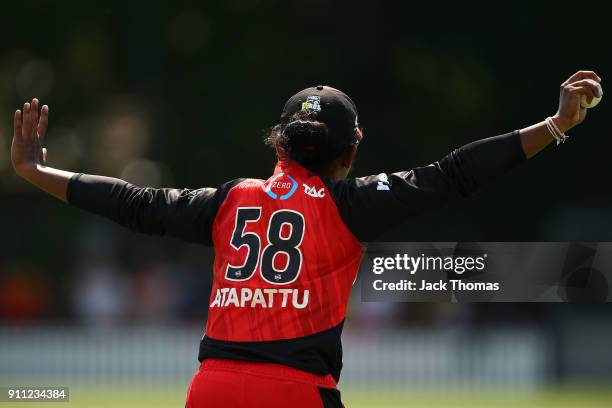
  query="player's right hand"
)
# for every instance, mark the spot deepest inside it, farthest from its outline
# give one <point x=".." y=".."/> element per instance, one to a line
<point x="28" y="135"/>
<point x="570" y="112"/>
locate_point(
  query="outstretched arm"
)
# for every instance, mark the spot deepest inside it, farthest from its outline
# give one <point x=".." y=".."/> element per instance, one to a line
<point x="392" y="198"/>
<point x="182" y="213"/>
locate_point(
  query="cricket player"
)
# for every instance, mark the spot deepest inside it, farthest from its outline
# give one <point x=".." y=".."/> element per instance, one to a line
<point x="287" y="249"/>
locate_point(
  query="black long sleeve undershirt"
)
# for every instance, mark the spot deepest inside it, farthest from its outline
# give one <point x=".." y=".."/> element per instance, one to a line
<point x="368" y="205"/>
<point x="182" y="213"/>
<point x="374" y="204"/>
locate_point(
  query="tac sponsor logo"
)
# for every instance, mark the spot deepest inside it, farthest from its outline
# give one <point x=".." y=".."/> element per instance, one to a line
<point x="281" y="187"/>
<point x="383" y="182"/>
<point x="313" y="192"/>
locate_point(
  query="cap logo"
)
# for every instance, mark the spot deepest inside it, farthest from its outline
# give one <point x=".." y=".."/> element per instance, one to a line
<point x="313" y="103"/>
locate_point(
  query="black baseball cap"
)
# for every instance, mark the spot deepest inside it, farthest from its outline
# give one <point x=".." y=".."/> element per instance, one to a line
<point x="330" y="106"/>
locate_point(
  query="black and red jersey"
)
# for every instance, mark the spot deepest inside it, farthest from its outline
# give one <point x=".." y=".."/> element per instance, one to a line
<point x="287" y="249"/>
<point x="284" y="259"/>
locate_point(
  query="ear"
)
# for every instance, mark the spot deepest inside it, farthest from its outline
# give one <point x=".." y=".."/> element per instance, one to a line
<point x="348" y="157"/>
<point x="359" y="134"/>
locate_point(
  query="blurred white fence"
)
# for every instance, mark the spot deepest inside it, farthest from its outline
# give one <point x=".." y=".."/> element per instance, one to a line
<point x="387" y="360"/>
<point x="441" y="360"/>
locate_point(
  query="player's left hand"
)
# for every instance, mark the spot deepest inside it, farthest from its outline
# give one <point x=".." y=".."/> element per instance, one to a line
<point x="570" y="112"/>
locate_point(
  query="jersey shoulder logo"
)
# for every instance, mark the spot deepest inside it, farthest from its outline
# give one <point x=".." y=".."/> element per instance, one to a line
<point x="194" y="193"/>
<point x="383" y="182"/>
<point x="313" y="192"/>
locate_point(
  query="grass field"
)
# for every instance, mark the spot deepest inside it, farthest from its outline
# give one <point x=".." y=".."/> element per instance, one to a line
<point x="150" y="398"/>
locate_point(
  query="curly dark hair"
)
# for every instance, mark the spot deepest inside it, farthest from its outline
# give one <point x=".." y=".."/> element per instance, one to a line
<point x="305" y="140"/>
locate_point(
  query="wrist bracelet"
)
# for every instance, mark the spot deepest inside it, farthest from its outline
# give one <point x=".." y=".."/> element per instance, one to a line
<point x="557" y="134"/>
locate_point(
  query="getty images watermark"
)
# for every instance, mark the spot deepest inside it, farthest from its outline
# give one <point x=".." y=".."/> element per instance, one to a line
<point x="487" y="271"/>
<point x="413" y="264"/>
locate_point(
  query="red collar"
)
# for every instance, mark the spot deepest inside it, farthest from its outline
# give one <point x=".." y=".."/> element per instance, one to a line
<point x="293" y="168"/>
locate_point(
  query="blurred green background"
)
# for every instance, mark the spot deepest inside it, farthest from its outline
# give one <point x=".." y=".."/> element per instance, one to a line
<point x="181" y="94"/>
